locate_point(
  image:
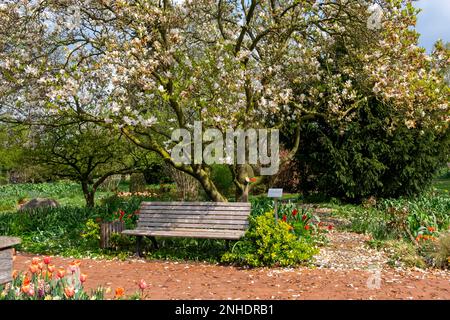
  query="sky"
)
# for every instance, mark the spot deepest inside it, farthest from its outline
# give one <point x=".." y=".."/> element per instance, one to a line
<point x="433" y="22"/>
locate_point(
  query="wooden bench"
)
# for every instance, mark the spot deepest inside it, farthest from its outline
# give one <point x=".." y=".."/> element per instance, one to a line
<point x="210" y="220"/>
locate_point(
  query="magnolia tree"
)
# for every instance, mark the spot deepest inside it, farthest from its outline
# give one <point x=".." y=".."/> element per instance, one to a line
<point x="148" y="68"/>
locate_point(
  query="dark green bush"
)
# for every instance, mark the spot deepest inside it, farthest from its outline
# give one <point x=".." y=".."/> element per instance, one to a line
<point x="223" y="179"/>
<point x="155" y="173"/>
<point x="368" y="157"/>
<point x="267" y="243"/>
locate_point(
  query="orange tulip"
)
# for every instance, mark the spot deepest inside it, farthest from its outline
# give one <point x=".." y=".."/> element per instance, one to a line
<point x="83" y="277"/>
<point x="25" y="288"/>
<point x="119" y="292"/>
<point x="15" y="273"/>
<point x="33" y="268"/>
<point x="35" y="261"/>
<point x="69" y="291"/>
<point x="61" y="273"/>
<point x="26" y="281"/>
<point x="77" y="263"/>
<point x="40" y="265"/>
<point x="74" y="266"/>
<point x="51" y="268"/>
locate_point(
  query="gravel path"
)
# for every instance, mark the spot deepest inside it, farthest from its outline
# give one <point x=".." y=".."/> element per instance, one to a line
<point x="348" y="250"/>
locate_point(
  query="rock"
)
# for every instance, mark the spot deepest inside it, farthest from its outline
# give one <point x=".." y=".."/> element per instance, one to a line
<point x="39" y="203"/>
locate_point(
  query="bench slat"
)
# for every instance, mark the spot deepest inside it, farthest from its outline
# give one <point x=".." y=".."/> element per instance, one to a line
<point x="196" y="208"/>
<point x="204" y="226"/>
<point x="226" y="234"/>
<point x="190" y="220"/>
<point x="190" y="229"/>
<point x="170" y="216"/>
<point x="186" y="204"/>
<point x="194" y="212"/>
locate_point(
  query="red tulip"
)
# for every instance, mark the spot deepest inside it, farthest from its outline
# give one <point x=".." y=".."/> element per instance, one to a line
<point x="26" y="281"/>
<point x="307" y="227"/>
<point x="304" y="217"/>
<point x="47" y="260"/>
<point x="294" y="212"/>
<point x="330" y="227"/>
<point x="284" y="218"/>
<point x="83" y="277"/>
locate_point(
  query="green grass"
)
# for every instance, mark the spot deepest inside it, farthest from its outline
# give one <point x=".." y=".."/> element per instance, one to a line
<point x="67" y="193"/>
<point x="442" y="185"/>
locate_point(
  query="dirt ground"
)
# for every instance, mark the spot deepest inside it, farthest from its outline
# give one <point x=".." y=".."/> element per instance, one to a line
<point x="345" y="268"/>
<point x="172" y="280"/>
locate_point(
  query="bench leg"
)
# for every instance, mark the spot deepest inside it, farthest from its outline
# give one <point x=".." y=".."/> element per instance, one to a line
<point x="227" y="244"/>
<point x="139" y="246"/>
<point x="154" y="242"/>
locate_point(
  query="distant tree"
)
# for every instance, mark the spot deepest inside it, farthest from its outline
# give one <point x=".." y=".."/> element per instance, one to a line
<point x="10" y="151"/>
<point x="83" y="152"/>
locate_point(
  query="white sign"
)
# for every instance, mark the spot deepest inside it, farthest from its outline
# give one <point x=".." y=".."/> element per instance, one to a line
<point x="275" y="193"/>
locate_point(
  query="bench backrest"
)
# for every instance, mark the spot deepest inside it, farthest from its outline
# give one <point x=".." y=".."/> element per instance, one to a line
<point x="194" y="215"/>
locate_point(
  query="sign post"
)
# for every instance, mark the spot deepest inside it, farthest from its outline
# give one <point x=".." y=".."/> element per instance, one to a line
<point x="275" y="194"/>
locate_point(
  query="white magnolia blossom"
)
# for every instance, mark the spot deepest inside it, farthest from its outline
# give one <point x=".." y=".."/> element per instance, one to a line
<point x="142" y="66"/>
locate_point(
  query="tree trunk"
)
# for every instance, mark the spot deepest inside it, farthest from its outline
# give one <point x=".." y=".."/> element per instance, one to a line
<point x="90" y="199"/>
<point x="209" y="187"/>
<point x="89" y="195"/>
<point x="242" y="186"/>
